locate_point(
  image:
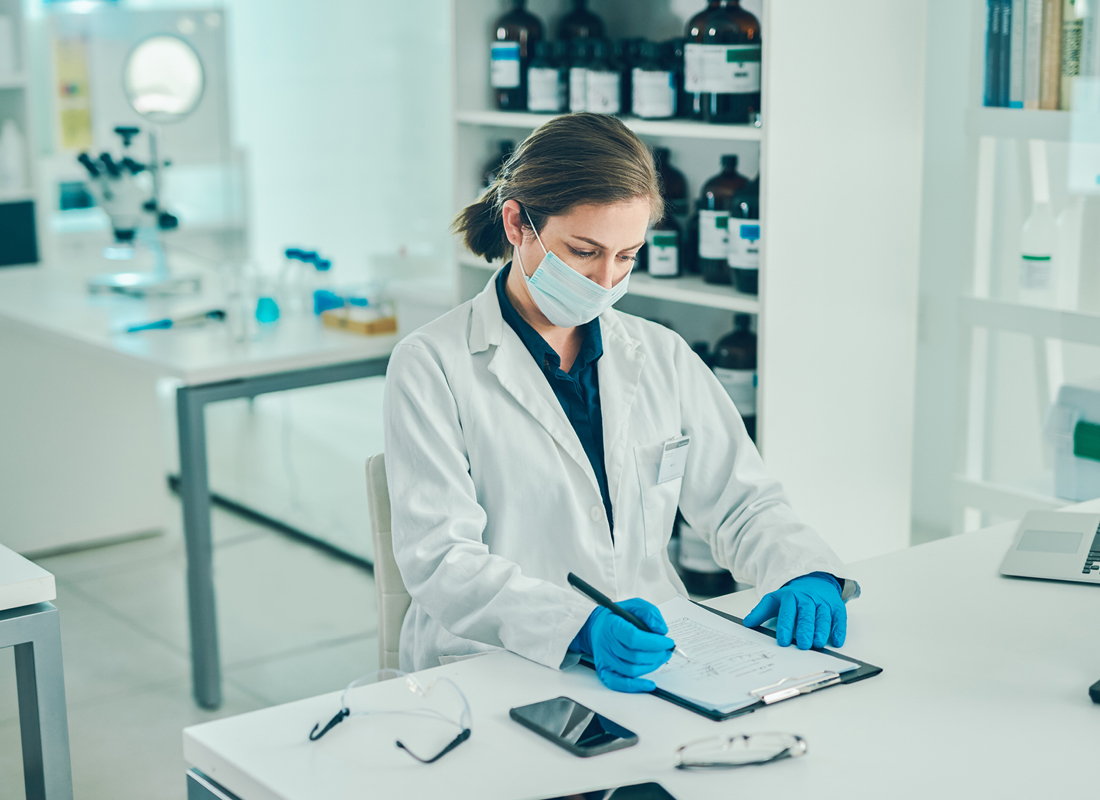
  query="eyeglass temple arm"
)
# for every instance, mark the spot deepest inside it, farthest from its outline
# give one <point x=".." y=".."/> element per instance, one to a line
<point x="454" y="743"/>
<point x="341" y="715"/>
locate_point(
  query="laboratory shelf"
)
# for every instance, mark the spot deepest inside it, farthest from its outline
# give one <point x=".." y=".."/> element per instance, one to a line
<point x="17" y="81"/>
<point x="685" y="129"/>
<point x="1019" y="123"/>
<point x="1047" y="323"/>
<point x="20" y="196"/>
<point x="1003" y="500"/>
<point x="689" y="289"/>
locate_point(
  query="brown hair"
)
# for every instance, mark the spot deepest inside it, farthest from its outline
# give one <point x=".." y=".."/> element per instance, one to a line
<point x="572" y="160"/>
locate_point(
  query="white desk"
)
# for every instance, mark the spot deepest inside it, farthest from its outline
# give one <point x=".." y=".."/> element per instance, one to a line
<point x="211" y="366"/>
<point x="29" y="624"/>
<point x="984" y="693"/>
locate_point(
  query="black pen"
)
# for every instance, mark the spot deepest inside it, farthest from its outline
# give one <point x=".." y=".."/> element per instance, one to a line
<point x="596" y="596"/>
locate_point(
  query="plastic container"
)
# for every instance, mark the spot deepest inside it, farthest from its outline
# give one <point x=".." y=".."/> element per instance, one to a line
<point x="1072" y="427"/>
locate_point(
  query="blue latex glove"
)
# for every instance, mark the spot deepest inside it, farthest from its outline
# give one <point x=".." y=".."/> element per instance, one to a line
<point x="808" y="610"/>
<point x="620" y="651"/>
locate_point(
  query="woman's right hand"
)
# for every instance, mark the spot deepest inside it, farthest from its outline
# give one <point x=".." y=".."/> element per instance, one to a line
<point x="623" y="653"/>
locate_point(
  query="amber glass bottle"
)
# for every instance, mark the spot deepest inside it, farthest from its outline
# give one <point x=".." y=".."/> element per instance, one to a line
<point x="722" y="63"/>
<point x="735" y="368"/>
<point x="712" y="213"/>
<point x="514" y="36"/>
<point x="673" y="184"/>
<point x="493" y="165"/>
<point x="744" y="237"/>
<point x="580" y="23"/>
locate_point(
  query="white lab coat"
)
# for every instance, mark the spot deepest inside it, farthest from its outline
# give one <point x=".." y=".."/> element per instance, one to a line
<point x="493" y="500"/>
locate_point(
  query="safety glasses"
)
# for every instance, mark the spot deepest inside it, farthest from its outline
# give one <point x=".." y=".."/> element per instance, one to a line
<point x="464" y="723"/>
<point x="725" y="752"/>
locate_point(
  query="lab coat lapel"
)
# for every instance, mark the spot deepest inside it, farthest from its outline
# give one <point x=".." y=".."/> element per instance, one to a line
<point x="521" y="377"/>
<point x="620" y="370"/>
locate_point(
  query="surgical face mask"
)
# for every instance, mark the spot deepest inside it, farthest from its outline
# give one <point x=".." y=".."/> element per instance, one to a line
<point x="563" y="295"/>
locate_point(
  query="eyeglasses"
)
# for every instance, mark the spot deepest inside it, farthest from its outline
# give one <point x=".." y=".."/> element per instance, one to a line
<point x="464" y="722"/>
<point x="725" y="752"/>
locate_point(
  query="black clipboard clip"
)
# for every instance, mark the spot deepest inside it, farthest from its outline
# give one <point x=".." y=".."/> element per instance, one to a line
<point x="793" y="687"/>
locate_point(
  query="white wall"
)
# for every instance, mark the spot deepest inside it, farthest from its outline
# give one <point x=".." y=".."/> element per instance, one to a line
<point x="844" y="97"/>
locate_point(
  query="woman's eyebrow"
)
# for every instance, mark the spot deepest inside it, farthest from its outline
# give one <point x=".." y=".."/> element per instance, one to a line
<point x="602" y="247"/>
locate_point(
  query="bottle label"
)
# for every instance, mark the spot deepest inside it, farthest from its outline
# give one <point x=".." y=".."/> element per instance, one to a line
<point x="663" y="248"/>
<point x="1035" y="272"/>
<point x="722" y="68"/>
<point x="578" y="89"/>
<point x="654" y="94"/>
<point x="504" y="65"/>
<point x="744" y="243"/>
<point x="713" y="234"/>
<point x="604" y="92"/>
<point x="545" y="91"/>
<point x="740" y="385"/>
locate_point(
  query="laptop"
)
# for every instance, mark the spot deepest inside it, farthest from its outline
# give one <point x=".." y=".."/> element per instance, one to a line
<point x="1056" y="545"/>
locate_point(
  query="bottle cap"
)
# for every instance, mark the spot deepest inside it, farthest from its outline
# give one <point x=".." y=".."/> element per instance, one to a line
<point x="660" y="155"/>
<point x="742" y="322"/>
<point x="322" y="264"/>
<point x="729" y="162"/>
<point x="293" y="253"/>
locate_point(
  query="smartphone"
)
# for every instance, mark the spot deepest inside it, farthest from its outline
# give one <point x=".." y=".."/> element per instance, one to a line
<point x="578" y="729"/>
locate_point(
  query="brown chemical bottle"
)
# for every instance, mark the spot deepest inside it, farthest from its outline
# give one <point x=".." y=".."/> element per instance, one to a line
<point x="712" y="217"/>
<point x="735" y="368"/>
<point x="580" y="23"/>
<point x="493" y="165"/>
<point x="514" y="36"/>
<point x="722" y="64"/>
<point x="744" y="238"/>
<point x="673" y="184"/>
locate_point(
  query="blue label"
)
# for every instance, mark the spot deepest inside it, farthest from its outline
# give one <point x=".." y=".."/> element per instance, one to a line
<point x="505" y="51"/>
<point x="750" y="232"/>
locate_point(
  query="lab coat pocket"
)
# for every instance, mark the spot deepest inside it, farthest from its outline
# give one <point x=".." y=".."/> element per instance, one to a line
<point x="659" y="500"/>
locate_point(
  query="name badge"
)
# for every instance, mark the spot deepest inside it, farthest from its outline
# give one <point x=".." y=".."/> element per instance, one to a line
<point x="674" y="459"/>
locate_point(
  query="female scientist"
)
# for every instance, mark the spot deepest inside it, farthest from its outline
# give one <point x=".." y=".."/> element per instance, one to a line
<point x="526" y="432"/>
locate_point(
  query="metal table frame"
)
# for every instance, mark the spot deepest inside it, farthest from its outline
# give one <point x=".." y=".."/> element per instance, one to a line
<point x="194" y="492"/>
<point x="35" y="633"/>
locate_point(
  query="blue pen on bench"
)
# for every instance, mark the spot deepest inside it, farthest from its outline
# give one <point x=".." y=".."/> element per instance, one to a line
<point x="215" y="314"/>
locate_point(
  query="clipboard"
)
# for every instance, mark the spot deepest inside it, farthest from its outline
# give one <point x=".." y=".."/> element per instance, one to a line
<point x="776" y="692"/>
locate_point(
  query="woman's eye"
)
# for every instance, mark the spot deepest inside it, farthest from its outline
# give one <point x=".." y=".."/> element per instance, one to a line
<point x="630" y="258"/>
<point x="582" y="253"/>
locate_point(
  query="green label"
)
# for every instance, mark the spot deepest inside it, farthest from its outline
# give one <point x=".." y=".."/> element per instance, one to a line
<point x="1086" y="441"/>
<point x="664" y="240"/>
<point x="739" y="54"/>
<point x="1036" y="258"/>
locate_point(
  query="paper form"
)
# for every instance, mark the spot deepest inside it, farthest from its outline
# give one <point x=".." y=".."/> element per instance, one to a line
<point x="728" y="660"/>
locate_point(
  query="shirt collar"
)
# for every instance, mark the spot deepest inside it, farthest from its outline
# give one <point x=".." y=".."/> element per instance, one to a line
<point x="591" y="345"/>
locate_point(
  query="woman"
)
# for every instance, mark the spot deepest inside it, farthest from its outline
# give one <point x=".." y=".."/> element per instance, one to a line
<point x="525" y="431"/>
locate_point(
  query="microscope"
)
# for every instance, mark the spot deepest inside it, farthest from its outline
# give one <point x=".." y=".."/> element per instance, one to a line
<point x="129" y="192"/>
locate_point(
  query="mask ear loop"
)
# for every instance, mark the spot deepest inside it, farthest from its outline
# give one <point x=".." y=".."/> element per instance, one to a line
<point x="536" y="230"/>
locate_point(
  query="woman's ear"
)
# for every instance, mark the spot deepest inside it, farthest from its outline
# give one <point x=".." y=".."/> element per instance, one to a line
<point x="512" y="217"/>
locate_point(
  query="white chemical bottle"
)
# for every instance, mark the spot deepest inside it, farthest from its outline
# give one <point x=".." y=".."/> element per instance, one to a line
<point x="1037" y="267"/>
<point x="13" y="158"/>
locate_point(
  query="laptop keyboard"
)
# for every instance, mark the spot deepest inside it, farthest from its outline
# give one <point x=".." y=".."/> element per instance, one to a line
<point x="1092" y="560"/>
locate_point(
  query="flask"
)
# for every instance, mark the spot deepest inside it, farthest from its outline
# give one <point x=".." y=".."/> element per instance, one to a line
<point x="581" y="50"/>
<point x="603" y="81"/>
<point x="735" y="368"/>
<point x="514" y="36"/>
<point x="493" y="165"/>
<point x="580" y="23"/>
<point x="1037" y="268"/>
<point x="652" y="85"/>
<point x="713" y="221"/>
<point x="744" y="237"/>
<point x="545" y="79"/>
<point x="722" y="63"/>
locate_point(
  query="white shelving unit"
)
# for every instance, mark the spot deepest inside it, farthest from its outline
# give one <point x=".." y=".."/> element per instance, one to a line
<point x="836" y="320"/>
<point x="15" y="105"/>
<point x="985" y="317"/>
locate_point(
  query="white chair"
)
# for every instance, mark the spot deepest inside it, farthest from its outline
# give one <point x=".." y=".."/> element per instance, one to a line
<point x="393" y="598"/>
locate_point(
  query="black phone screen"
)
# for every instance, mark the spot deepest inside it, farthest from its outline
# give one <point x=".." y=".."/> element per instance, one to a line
<point x="575" y="727"/>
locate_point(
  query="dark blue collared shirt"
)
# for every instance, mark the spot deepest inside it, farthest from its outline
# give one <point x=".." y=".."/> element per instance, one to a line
<point x="578" y="390"/>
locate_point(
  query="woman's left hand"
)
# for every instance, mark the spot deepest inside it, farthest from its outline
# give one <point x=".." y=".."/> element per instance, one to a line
<point x="808" y="610"/>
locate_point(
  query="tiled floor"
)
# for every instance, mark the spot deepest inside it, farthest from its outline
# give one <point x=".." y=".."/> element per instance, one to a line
<point x="293" y="623"/>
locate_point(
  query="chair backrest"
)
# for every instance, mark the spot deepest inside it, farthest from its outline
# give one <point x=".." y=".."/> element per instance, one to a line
<point x="393" y="599"/>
